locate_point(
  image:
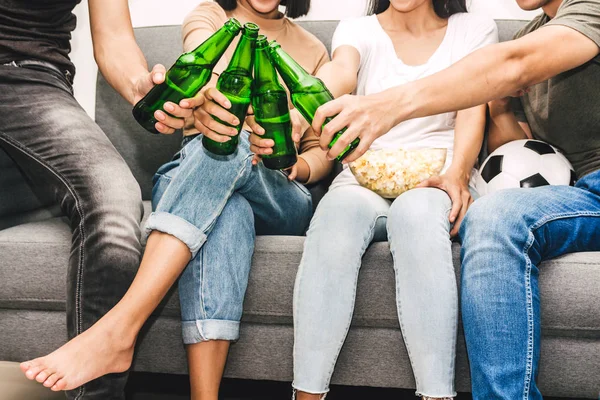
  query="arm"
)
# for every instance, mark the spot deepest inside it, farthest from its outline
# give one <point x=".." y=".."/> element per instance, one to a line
<point x="121" y="61"/>
<point x="468" y="137"/>
<point x="491" y="73"/>
<point x="504" y="126"/>
<point x="340" y="75"/>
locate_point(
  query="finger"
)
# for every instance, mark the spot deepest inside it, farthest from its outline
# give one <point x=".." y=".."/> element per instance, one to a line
<point x="218" y="97"/>
<point x="361" y="149"/>
<point x="260" y="142"/>
<point x="327" y="110"/>
<point x="293" y="172"/>
<point x="208" y="121"/>
<point x="456" y="204"/>
<point x="254" y="126"/>
<point x="342" y="142"/>
<point x="171" y="122"/>
<point x="463" y="211"/>
<point x="177" y="111"/>
<point x="210" y="134"/>
<point x="158" y="74"/>
<point x="164" y="129"/>
<point x="255" y="158"/>
<point x="431" y="182"/>
<point x="193" y="102"/>
<point x="217" y="111"/>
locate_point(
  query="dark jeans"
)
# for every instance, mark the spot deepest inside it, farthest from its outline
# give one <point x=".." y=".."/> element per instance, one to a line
<point x="66" y="157"/>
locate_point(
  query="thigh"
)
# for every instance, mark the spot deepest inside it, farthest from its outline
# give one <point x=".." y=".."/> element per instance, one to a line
<point x="558" y="219"/>
<point x="57" y="145"/>
<point x="350" y="215"/>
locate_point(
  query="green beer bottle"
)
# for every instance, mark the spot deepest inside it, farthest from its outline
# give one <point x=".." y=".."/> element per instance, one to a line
<point x="187" y="76"/>
<point x="308" y="92"/>
<point x="236" y="84"/>
<point x="271" y="110"/>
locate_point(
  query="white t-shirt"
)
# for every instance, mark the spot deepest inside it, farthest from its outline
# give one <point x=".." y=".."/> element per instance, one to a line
<point x="380" y="69"/>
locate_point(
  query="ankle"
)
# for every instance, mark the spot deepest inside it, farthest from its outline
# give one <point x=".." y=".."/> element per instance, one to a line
<point x="298" y="395"/>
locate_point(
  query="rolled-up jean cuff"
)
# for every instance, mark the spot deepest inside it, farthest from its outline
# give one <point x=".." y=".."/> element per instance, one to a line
<point x="210" y="329"/>
<point x="298" y="388"/>
<point x="171" y="224"/>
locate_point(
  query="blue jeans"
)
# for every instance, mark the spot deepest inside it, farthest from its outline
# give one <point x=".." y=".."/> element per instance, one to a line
<point x="212" y="203"/>
<point x="506" y="235"/>
<point x="416" y="225"/>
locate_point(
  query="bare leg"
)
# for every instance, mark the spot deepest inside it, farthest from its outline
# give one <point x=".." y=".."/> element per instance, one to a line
<point x="207" y="362"/>
<point x="307" y="396"/>
<point x="107" y="346"/>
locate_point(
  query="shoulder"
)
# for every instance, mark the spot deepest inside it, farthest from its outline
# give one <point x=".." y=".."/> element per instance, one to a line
<point x="473" y="22"/>
<point x="207" y="10"/>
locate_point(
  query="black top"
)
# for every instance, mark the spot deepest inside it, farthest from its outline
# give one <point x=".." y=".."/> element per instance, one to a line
<point x="38" y="30"/>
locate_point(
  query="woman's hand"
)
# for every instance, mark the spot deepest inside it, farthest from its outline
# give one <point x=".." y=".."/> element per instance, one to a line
<point x="261" y="146"/>
<point x="209" y="103"/>
<point x="457" y="188"/>
<point x="175" y="115"/>
<point x="366" y="117"/>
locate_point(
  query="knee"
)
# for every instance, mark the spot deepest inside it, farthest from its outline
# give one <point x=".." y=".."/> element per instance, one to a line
<point x="494" y="215"/>
<point x="420" y="209"/>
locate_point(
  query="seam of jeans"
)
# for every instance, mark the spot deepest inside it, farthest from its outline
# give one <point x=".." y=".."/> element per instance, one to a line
<point x="528" y="290"/>
<point x="34" y="157"/>
<point x="530" y="323"/>
<point x="202" y="288"/>
<point x="362" y="251"/>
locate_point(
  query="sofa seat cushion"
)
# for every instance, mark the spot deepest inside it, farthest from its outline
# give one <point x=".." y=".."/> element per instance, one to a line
<point x="35" y="257"/>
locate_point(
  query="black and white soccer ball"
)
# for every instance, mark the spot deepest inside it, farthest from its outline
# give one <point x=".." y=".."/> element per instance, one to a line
<point x="523" y="163"/>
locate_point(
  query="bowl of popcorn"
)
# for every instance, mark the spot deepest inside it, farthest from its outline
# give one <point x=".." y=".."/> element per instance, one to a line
<point x="391" y="172"/>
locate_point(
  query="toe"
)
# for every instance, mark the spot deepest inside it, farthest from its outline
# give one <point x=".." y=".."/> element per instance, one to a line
<point x="25" y="366"/>
<point x="33" y="372"/>
<point x="42" y="376"/>
<point x="60" y="385"/>
<point x="51" y="381"/>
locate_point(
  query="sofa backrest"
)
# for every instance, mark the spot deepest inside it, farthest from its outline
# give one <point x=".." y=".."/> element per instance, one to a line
<point x="143" y="151"/>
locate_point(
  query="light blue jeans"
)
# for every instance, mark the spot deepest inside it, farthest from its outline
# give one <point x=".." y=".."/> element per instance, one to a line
<point x="416" y="225"/>
<point x="213" y="204"/>
<point x="506" y="235"/>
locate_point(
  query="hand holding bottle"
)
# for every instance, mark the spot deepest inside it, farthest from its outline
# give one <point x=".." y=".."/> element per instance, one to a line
<point x="212" y="104"/>
<point x="174" y="117"/>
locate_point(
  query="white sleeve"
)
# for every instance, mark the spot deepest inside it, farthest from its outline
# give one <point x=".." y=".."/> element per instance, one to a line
<point x="350" y="33"/>
<point x="482" y="31"/>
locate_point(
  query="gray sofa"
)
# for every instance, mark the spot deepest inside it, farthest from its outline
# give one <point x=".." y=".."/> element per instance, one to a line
<point x="35" y="243"/>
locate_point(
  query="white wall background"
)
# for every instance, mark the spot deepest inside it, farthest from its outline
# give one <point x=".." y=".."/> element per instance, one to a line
<point x="163" y="12"/>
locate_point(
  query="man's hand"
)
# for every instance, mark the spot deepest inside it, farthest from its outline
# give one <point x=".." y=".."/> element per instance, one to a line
<point x="457" y="189"/>
<point x="175" y="115"/>
<point x="367" y="117"/>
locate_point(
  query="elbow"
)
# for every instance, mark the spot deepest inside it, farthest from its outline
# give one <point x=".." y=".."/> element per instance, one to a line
<point x="519" y="73"/>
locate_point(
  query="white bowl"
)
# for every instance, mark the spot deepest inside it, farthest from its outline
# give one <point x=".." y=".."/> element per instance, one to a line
<point x="391" y="172"/>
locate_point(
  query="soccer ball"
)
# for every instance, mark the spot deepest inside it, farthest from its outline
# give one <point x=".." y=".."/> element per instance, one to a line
<point x="524" y="163"/>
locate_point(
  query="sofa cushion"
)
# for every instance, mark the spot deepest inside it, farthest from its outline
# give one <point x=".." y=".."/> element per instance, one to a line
<point x="35" y="257"/>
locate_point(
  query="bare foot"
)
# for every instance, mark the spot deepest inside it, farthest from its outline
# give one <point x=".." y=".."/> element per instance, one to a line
<point x="96" y="352"/>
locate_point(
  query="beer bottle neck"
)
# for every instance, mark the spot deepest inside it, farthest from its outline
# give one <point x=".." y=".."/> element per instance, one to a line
<point x="243" y="57"/>
<point x="215" y="46"/>
<point x="291" y="72"/>
<point x="264" y="71"/>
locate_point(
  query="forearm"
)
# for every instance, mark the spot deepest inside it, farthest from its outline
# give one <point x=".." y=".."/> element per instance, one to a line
<point x="468" y="138"/>
<point x="503" y="127"/>
<point x="121" y="62"/>
<point x="117" y="54"/>
<point x="338" y="78"/>
<point x="480" y="77"/>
